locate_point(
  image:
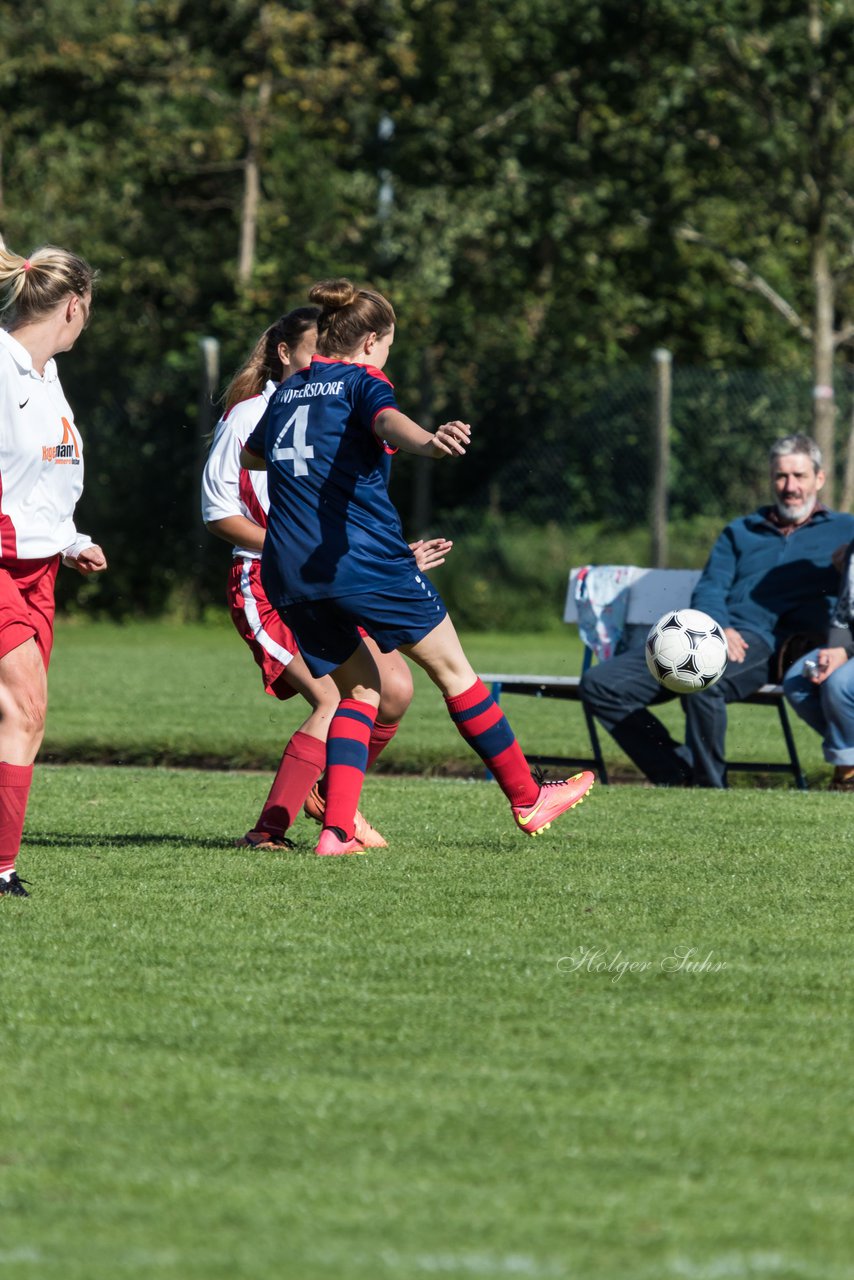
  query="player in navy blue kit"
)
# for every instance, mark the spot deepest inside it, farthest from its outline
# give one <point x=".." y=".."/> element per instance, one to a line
<point x="335" y="558"/>
<point x="234" y="507"/>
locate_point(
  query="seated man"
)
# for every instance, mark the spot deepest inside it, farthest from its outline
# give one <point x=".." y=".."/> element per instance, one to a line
<point x="820" y="686"/>
<point x="769" y="577"/>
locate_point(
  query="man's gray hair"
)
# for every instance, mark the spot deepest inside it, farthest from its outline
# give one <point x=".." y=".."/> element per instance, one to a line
<point x="796" y="444"/>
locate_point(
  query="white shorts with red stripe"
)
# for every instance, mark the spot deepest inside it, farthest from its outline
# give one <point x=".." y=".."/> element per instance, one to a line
<point x="271" y="641"/>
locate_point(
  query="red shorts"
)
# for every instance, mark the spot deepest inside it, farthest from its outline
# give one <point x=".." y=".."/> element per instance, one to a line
<point x="272" y="643"/>
<point x="27" y="604"/>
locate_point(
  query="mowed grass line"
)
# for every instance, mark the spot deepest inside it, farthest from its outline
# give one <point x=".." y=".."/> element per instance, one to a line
<point x="228" y="1064"/>
<point x="160" y="692"/>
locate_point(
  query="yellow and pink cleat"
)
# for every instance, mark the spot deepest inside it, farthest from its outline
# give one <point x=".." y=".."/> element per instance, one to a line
<point x="554" y="799"/>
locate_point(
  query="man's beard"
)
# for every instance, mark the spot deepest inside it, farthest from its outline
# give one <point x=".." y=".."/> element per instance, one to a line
<point x="796" y="513"/>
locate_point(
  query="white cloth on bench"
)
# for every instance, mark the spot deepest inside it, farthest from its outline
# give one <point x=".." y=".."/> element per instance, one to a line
<point x="601" y="593"/>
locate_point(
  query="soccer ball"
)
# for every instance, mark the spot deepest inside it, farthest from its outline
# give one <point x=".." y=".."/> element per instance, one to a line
<point x="686" y="651"/>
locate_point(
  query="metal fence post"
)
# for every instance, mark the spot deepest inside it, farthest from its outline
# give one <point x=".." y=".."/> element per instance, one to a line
<point x="661" y="456"/>
<point x="205" y="421"/>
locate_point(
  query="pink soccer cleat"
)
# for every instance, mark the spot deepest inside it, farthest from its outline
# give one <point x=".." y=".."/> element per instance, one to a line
<point x="315" y="807"/>
<point x="554" y="799"/>
<point x="333" y="843"/>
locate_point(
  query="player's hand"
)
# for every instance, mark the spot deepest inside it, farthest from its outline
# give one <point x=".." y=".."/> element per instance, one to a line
<point x="451" y="439"/>
<point x="430" y="553"/>
<point x="736" y="645"/>
<point x="89" y="560"/>
<point x="829" y="660"/>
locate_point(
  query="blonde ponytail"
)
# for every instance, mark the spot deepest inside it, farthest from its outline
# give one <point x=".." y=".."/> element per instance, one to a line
<point x="32" y="287"/>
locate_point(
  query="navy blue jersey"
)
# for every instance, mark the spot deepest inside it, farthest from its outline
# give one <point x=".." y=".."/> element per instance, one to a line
<point x="332" y="529"/>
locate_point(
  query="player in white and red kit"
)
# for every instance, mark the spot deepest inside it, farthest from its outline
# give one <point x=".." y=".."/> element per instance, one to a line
<point x="234" y="507"/>
<point x="45" y="306"/>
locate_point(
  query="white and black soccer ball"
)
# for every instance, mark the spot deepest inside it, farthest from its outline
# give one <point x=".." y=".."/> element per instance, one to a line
<point x="686" y="651"/>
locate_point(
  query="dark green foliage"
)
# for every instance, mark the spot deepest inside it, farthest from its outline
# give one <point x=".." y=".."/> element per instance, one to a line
<point x="521" y="179"/>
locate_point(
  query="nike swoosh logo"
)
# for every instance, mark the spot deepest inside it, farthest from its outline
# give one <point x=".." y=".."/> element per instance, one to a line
<point x="25" y="403"/>
<point x="523" y="822"/>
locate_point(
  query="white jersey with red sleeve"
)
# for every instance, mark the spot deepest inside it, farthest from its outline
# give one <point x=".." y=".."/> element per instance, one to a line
<point x="41" y="460"/>
<point x="227" y="488"/>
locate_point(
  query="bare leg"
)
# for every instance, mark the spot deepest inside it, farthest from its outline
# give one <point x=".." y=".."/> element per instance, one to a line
<point x="441" y="655"/>
<point x="395" y="683"/>
<point x="319" y="692"/>
<point x="359" y="677"/>
<point x="23" y="703"/>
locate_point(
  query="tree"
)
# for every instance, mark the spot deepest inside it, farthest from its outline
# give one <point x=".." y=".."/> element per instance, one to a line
<point x="763" y="116"/>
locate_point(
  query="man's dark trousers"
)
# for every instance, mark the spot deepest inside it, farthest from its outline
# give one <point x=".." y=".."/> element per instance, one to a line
<point x="620" y="691"/>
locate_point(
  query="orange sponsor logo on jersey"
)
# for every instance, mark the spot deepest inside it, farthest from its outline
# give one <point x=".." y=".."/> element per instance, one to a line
<point x="68" y="450"/>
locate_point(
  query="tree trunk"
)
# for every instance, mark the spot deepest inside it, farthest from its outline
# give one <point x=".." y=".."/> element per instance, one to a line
<point x="422" y="483"/>
<point x="847" y="502"/>
<point x="824" y="406"/>
<point x="252" y="185"/>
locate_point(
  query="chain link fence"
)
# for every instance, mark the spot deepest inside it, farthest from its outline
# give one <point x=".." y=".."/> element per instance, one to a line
<point x="597" y="462"/>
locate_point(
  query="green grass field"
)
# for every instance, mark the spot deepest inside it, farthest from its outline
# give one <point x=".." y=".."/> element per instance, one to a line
<point x="618" y="1052"/>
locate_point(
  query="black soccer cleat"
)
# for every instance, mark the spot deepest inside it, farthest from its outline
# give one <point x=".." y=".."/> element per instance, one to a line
<point x="14" y="886"/>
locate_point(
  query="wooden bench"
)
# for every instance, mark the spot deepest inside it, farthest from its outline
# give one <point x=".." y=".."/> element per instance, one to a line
<point x="651" y="592"/>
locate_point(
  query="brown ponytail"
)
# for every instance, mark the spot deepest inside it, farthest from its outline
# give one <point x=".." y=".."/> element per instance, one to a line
<point x="348" y="314"/>
<point x="263" y="364"/>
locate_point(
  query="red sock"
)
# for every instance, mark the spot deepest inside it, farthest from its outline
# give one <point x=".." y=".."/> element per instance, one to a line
<point x="346" y="761"/>
<point x="15" y="780"/>
<point x="484" y="726"/>
<point x="381" y="736"/>
<point x="302" y="764"/>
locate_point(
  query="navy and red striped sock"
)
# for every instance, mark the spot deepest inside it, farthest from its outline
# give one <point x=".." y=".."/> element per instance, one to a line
<point x="346" y="761"/>
<point x="485" y="728"/>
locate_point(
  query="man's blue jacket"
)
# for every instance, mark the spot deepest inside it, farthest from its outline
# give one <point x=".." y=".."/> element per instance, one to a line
<point x="775" y="584"/>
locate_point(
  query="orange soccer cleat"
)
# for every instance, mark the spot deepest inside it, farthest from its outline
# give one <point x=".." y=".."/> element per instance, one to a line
<point x="315" y="807"/>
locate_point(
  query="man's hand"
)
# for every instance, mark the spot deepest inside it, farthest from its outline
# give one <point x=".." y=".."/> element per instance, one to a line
<point x="89" y="560"/>
<point x="430" y="554"/>
<point x="829" y="660"/>
<point x="736" y="645"/>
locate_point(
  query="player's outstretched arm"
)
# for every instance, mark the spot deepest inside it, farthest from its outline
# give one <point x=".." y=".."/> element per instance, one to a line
<point x="448" y="441"/>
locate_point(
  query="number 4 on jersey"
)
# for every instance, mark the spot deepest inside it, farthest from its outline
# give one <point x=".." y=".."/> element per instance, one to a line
<point x="298" y="452"/>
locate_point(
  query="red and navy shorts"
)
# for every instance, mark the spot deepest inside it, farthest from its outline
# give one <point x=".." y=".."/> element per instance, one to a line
<point x="27" y="604"/>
